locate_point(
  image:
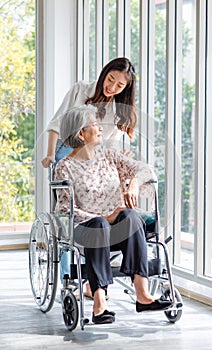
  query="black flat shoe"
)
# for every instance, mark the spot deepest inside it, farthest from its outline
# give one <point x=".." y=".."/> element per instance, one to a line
<point x="105" y="317"/>
<point x="109" y="312"/>
<point x="158" y="304"/>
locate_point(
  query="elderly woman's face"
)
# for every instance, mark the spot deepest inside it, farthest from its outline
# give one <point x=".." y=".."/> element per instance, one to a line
<point x="92" y="133"/>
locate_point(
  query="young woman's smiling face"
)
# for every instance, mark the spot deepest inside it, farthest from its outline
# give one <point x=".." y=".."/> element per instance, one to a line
<point x="114" y="83"/>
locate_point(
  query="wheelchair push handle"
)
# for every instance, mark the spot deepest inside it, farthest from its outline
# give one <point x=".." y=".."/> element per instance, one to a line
<point x="57" y="184"/>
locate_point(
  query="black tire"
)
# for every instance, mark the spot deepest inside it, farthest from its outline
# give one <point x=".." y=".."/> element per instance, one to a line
<point x="70" y="310"/>
<point x="43" y="261"/>
<point x="173" y="315"/>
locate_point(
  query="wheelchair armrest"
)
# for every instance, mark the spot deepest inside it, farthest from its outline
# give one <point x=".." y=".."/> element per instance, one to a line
<point x="150" y="235"/>
<point x="60" y="184"/>
<point x="152" y="181"/>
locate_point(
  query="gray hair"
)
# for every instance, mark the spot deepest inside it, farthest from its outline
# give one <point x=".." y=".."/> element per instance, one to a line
<point x="74" y="120"/>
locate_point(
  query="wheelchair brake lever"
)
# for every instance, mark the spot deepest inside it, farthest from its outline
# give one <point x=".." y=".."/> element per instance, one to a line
<point x="168" y="239"/>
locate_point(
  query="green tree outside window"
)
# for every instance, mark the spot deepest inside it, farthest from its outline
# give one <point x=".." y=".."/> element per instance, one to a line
<point x="17" y="109"/>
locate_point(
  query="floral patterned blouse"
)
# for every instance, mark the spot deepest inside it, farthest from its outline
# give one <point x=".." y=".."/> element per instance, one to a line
<point x="98" y="183"/>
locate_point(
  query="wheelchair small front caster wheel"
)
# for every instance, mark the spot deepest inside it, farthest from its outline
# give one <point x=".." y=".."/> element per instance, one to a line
<point x="174" y="315"/>
<point x="70" y="311"/>
<point x="83" y="322"/>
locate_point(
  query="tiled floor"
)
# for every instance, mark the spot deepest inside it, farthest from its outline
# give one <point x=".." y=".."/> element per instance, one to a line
<point x="24" y="327"/>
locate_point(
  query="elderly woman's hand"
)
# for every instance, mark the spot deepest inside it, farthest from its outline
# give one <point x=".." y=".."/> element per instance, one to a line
<point x="127" y="153"/>
<point x="130" y="199"/>
<point x="112" y="217"/>
<point x="131" y="195"/>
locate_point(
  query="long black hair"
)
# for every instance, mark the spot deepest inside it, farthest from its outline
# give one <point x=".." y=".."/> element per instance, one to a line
<point x="125" y="101"/>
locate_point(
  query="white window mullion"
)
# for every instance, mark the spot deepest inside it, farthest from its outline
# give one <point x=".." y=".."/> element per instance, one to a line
<point x="143" y="81"/>
<point x="208" y="156"/>
<point x="42" y="109"/>
<point x="73" y="42"/>
<point x="105" y="31"/>
<point x="127" y="31"/>
<point x="80" y="17"/>
<point x="151" y="85"/>
<point x="86" y="24"/>
<point x="99" y="37"/>
<point x="170" y="114"/>
<point x="178" y="133"/>
<point x="200" y="135"/>
<point x="120" y="28"/>
<point x="61" y="45"/>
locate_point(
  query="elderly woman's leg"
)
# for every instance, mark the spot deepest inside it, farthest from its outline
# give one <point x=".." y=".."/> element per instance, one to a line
<point x="141" y="287"/>
<point x="94" y="235"/>
<point x="129" y="228"/>
<point x="99" y="301"/>
<point x="135" y="260"/>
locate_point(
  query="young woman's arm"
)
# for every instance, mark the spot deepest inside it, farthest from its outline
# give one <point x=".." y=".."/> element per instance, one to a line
<point x="50" y="157"/>
<point x="74" y="97"/>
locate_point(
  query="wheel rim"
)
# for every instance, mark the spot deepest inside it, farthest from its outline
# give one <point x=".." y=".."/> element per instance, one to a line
<point x="70" y="311"/>
<point x="173" y="315"/>
<point x="39" y="261"/>
<point x="43" y="261"/>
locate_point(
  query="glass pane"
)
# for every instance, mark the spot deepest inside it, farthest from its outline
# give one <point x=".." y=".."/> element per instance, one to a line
<point x="134" y="56"/>
<point x="17" y="104"/>
<point x="187" y="135"/>
<point x="134" y="36"/>
<point x="160" y="101"/>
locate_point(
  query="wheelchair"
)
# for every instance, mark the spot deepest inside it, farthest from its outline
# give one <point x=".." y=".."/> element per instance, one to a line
<point x="51" y="235"/>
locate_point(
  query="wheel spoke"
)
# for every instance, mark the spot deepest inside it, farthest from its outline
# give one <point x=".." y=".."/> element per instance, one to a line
<point x="70" y="311"/>
<point x="173" y="315"/>
<point x="42" y="255"/>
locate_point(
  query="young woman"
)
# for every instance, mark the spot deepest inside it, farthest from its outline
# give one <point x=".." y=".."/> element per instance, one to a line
<point x="104" y="210"/>
<point x="114" y="96"/>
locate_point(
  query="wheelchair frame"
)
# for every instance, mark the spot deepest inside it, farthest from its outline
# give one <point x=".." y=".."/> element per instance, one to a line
<point x="48" y="233"/>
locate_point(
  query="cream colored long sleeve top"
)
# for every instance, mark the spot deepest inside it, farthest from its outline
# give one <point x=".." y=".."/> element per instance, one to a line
<point x="77" y="96"/>
<point x="99" y="183"/>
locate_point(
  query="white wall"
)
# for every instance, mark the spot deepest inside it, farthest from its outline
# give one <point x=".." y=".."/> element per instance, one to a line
<point x="56" y="55"/>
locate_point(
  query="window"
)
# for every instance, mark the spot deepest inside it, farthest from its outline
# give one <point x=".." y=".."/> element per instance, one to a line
<point x="17" y="71"/>
<point x="185" y="136"/>
<point x="170" y="44"/>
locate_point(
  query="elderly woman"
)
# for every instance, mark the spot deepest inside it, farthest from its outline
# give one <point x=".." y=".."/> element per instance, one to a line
<point x="104" y="210"/>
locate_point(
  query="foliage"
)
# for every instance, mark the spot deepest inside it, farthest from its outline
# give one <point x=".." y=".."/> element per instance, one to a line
<point x="188" y="94"/>
<point x="17" y="108"/>
<point x="112" y="29"/>
<point x="17" y="102"/>
<point x="160" y="99"/>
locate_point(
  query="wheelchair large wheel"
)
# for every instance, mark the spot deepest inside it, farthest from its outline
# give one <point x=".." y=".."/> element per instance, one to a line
<point x="70" y="310"/>
<point x="173" y="315"/>
<point x="43" y="261"/>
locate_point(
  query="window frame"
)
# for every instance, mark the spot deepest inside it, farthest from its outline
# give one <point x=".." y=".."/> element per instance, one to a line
<point x="53" y="82"/>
